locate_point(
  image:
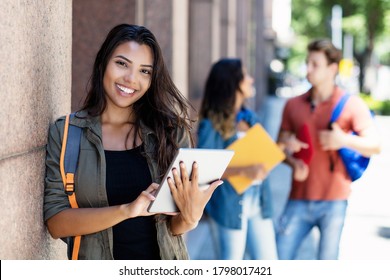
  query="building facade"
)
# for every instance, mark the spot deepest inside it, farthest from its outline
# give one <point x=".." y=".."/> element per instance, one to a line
<point x="192" y="33"/>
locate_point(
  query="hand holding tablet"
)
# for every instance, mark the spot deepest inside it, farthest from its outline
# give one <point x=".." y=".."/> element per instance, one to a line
<point x="211" y="166"/>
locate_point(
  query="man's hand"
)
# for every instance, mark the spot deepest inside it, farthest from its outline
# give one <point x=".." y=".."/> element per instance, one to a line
<point x="332" y="139"/>
<point x="292" y="144"/>
<point x="300" y="170"/>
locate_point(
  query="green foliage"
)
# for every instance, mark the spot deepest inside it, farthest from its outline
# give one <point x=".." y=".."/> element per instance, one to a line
<point x="377" y="106"/>
<point x="308" y="18"/>
<point x="298" y="56"/>
<point x="356" y="26"/>
<point x="367" y="20"/>
<point x="382" y="46"/>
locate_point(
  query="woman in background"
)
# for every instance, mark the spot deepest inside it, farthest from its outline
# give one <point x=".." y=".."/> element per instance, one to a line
<point x="241" y="222"/>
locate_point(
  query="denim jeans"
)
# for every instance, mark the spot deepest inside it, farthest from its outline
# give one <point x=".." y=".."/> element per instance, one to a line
<point x="255" y="239"/>
<point x="299" y="218"/>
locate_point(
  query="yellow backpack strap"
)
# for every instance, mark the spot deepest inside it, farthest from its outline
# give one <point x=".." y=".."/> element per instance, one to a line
<point x="68" y="165"/>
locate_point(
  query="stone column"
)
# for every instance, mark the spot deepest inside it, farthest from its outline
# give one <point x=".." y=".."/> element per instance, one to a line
<point x="35" y="76"/>
<point x="180" y="48"/>
<point x="200" y="47"/>
<point x="260" y="56"/>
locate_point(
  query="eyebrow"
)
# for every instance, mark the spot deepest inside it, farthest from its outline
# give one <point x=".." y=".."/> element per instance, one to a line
<point x="129" y="61"/>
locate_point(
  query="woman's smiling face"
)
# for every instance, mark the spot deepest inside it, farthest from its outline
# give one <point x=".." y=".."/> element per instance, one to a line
<point x="128" y="74"/>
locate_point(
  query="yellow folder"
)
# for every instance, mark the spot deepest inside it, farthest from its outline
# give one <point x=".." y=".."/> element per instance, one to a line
<point x="255" y="147"/>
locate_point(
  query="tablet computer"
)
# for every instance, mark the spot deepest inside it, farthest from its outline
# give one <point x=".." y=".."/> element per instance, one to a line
<point x="211" y="166"/>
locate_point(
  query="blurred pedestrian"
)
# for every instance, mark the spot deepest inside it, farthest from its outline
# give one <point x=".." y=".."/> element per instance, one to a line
<point x="239" y="221"/>
<point x="321" y="185"/>
<point x="133" y="121"/>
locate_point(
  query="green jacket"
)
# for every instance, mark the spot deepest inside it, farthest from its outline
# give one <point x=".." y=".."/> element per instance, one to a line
<point x="90" y="181"/>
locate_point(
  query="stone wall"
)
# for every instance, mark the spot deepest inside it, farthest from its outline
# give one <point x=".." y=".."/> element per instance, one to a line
<point x="35" y="76"/>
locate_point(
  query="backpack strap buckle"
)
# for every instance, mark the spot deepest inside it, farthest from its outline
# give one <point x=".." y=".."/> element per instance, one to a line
<point x="69" y="186"/>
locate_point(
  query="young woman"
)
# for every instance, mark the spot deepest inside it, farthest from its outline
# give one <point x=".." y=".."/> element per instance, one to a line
<point x="239" y="221"/>
<point x="133" y="121"/>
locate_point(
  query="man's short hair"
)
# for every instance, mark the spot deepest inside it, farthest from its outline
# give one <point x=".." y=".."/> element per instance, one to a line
<point x="333" y="54"/>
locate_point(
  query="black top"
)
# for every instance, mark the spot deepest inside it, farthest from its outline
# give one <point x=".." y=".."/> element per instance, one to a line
<point x="127" y="176"/>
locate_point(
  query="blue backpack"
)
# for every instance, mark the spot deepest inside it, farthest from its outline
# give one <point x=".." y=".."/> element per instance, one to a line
<point x="68" y="166"/>
<point x="354" y="162"/>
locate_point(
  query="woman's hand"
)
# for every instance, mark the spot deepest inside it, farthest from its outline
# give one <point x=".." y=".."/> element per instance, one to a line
<point x="189" y="198"/>
<point x="81" y="221"/>
<point x="139" y="207"/>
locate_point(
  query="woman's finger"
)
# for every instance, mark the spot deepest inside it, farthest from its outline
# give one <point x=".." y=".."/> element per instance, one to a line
<point x="152" y="188"/>
<point x="148" y="195"/>
<point x="172" y="186"/>
<point x="214" y="185"/>
<point x="194" y="174"/>
<point x="176" y="179"/>
<point x="183" y="173"/>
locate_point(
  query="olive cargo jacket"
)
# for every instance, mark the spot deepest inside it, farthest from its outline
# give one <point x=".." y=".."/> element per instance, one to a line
<point x="90" y="185"/>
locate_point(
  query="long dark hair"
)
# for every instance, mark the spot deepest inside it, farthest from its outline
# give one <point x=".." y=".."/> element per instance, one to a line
<point x="162" y="108"/>
<point x="219" y="97"/>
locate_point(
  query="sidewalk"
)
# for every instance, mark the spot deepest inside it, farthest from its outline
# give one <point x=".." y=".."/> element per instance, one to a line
<point x="366" y="233"/>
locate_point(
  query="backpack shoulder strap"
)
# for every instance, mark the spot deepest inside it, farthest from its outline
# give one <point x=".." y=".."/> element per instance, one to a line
<point x="339" y="107"/>
<point x="68" y="165"/>
<point x="72" y="156"/>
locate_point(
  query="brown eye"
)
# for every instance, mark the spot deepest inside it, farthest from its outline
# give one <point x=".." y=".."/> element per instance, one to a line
<point x="121" y="63"/>
<point x="146" y="72"/>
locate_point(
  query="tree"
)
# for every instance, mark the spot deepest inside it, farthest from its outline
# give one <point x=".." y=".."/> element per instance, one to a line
<point x="364" y="19"/>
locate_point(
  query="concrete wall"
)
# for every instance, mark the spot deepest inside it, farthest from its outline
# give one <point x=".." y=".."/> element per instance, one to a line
<point x="35" y="76"/>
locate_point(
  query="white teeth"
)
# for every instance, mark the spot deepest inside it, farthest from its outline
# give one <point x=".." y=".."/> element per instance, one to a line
<point x="125" y="89"/>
